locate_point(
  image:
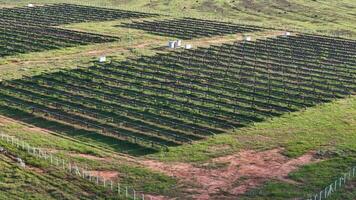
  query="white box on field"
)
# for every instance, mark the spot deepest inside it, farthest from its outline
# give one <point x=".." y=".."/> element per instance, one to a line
<point x="248" y="38"/>
<point x="172" y="44"/>
<point x="287" y="33"/>
<point x="188" y="46"/>
<point x="30" y="5"/>
<point x="102" y="59"/>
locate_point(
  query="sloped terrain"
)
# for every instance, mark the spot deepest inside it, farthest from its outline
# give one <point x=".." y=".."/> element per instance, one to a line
<point x="271" y="118"/>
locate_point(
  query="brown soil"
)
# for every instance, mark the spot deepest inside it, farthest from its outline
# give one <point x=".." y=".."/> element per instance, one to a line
<point x="35" y="169"/>
<point x="4" y="120"/>
<point x="154" y="197"/>
<point x="239" y="172"/>
<point x="108" y="175"/>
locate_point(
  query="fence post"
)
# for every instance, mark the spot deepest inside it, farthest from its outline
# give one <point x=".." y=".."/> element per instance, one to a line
<point x="315" y="197"/>
<point x="70" y="167"/>
<point x="84" y="171"/>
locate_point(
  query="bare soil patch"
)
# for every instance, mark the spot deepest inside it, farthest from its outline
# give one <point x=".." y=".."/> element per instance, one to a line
<point x="107" y="175"/>
<point x="4" y="120"/>
<point x="35" y="169"/>
<point x="239" y="172"/>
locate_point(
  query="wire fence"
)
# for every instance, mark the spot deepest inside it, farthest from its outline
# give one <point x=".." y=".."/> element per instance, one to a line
<point x="122" y="191"/>
<point x="335" y="186"/>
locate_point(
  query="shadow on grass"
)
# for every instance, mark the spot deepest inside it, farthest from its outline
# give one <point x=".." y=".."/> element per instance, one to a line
<point x="86" y="136"/>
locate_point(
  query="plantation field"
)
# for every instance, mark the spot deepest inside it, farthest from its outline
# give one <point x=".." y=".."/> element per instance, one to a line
<point x="19" y="35"/>
<point x="190" y="28"/>
<point x="270" y="118"/>
<point x="333" y="17"/>
<point x="151" y="102"/>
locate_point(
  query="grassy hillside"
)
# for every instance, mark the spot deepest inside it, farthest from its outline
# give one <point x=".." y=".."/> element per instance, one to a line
<point x="332" y="17"/>
<point x="33" y="183"/>
<point x="329" y="129"/>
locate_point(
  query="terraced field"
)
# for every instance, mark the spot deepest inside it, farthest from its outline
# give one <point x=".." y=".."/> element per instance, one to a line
<point x="176" y="98"/>
<point x="189" y="28"/>
<point x="19" y="39"/>
<point x="59" y="14"/>
<point x="25" y="30"/>
<point x="271" y="118"/>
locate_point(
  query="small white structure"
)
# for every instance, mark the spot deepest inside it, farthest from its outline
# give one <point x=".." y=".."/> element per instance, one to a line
<point x="179" y="43"/>
<point x="30" y="5"/>
<point x="188" y="46"/>
<point x="287" y="33"/>
<point x="20" y="162"/>
<point x="102" y="59"/>
<point x="172" y="44"/>
<point x="248" y="38"/>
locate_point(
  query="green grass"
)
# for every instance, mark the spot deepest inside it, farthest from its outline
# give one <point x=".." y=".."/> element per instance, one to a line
<point x="329" y="129"/>
<point x="26" y="183"/>
<point x="131" y="173"/>
<point x="310" y="180"/>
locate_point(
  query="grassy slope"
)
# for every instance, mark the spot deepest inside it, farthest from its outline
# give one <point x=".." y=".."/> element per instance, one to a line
<point x="20" y="183"/>
<point x="329" y="128"/>
<point x="320" y="15"/>
<point x="69" y="147"/>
